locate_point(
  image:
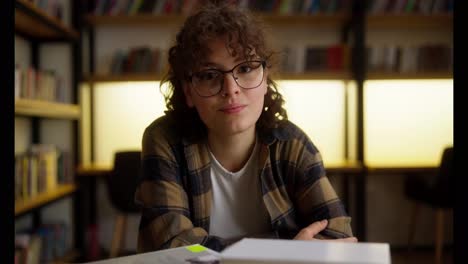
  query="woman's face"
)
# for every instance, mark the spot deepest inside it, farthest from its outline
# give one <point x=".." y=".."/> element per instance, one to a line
<point x="234" y="109"/>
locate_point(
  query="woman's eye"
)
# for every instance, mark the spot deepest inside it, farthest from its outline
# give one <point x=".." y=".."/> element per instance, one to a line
<point x="248" y="67"/>
<point x="207" y="75"/>
<point x="244" y="69"/>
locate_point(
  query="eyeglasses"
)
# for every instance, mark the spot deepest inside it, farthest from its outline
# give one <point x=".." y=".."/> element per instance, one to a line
<point x="247" y="74"/>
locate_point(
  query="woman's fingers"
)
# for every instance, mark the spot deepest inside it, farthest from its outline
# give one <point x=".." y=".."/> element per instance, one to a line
<point x="347" y="239"/>
<point x="310" y="231"/>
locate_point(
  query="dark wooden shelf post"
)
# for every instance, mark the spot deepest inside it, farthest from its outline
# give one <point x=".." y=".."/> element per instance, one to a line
<point x="358" y="65"/>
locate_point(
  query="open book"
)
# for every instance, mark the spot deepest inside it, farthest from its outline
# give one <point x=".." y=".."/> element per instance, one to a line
<point x="256" y="251"/>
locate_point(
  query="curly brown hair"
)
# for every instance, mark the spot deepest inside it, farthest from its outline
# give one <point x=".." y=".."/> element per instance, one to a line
<point x="244" y="33"/>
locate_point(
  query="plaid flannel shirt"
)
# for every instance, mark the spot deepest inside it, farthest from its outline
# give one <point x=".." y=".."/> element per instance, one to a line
<point x="175" y="192"/>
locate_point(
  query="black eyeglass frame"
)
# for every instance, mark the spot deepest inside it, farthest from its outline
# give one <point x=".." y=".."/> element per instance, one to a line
<point x="262" y="62"/>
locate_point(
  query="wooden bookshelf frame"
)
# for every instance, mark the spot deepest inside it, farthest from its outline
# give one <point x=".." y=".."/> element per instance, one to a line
<point x="382" y="75"/>
<point x="441" y="21"/>
<point x="35" y="23"/>
<point x="38" y="108"/>
<point x="314" y="20"/>
<point x="314" y="75"/>
<point x="26" y="205"/>
<point x="69" y="257"/>
<point x="124" y="77"/>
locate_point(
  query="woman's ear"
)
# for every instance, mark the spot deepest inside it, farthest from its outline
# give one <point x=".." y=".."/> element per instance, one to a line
<point x="188" y="94"/>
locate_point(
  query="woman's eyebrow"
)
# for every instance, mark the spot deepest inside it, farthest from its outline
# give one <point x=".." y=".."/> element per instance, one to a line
<point x="211" y="64"/>
<point x="219" y="66"/>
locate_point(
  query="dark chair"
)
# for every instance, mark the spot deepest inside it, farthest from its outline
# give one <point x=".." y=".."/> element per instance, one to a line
<point x="436" y="192"/>
<point x="121" y="185"/>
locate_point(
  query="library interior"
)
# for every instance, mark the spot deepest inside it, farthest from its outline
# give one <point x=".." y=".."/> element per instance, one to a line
<point x="370" y="82"/>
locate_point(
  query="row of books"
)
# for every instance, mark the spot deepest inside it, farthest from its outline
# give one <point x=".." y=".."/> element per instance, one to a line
<point x="157" y="7"/>
<point x="314" y="58"/>
<point x="389" y="58"/>
<point x="297" y="6"/>
<point x="141" y="59"/>
<point x="404" y="59"/>
<point x="130" y="7"/>
<point x="41" y="168"/>
<point x="31" y="83"/>
<point x="410" y="6"/>
<point x="41" y="245"/>
<point x="53" y="8"/>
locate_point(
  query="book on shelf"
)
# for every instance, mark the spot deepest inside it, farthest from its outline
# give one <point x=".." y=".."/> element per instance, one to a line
<point x="288" y="59"/>
<point x="136" y="4"/>
<point x="434" y="57"/>
<point x="158" y="7"/>
<point x="333" y="58"/>
<point x="410" y="58"/>
<point x="18" y="78"/>
<point x="315" y="59"/>
<point x="326" y="58"/>
<point x="45" y="85"/>
<point x="185" y="7"/>
<point x="28" y="248"/>
<point x="410" y="6"/>
<point x="53" y="8"/>
<point x="147" y="6"/>
<point x="141" y="59"/>
<point x="40" y="169"/>
<point x="43" y="244"/>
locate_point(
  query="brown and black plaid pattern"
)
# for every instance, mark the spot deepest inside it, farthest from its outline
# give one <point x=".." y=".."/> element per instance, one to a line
<point x="175" y="189"/>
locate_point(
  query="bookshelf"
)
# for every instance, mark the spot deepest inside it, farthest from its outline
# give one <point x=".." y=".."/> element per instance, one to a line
<point x="46" y="114"/>
<point x="431" y="27"/>
<point x="46" y="109"/>
<point x="414" y="28"/>
<point x="336" y="21"/>
<point x="25" y="205"/>
<point x="32" y="22"/>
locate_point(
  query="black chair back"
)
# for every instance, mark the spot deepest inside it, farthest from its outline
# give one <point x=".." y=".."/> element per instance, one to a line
<point x="443" y="184"/>
<point x="123" y="180"/>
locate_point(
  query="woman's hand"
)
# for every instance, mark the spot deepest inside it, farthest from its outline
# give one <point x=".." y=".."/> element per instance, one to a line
<point x="308" y="233"/>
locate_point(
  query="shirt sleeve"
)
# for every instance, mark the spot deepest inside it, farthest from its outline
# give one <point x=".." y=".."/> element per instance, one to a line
<point x="316" y="198"/>
<point x="165" y="212"/>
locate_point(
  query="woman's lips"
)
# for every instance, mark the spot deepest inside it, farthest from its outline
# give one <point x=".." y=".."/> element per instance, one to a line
<point x="232" y="109"/>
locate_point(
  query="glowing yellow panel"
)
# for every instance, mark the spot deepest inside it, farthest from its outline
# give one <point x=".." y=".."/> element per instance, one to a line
<point x="122" y="111"/>
<point x="407" y="122"/>
<point x="318" y="108"/>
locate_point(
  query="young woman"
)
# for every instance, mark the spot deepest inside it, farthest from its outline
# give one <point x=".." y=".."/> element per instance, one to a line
<point x="224" y="162"/>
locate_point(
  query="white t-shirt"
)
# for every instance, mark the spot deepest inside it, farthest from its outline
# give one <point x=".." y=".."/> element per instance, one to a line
<point x="237" y="207"/>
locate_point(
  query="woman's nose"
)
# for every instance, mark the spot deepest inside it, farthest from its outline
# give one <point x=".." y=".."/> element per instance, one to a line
<point x="230" y="86"/>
